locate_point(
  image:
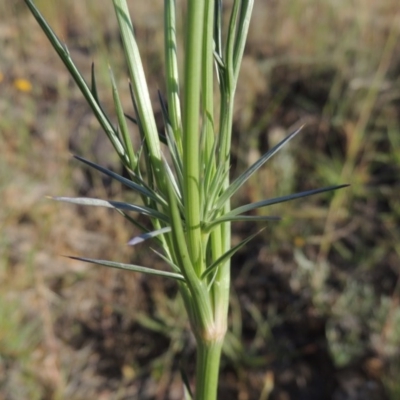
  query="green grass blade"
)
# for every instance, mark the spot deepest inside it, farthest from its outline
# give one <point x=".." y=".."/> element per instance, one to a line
<point x="131" y="267"/>
<point x="86" y="201"/>
<point x="227" y="255"/>
<point x="264" y="203"/>
<point x="238" y="183"/>
<point x="132" y="185"/>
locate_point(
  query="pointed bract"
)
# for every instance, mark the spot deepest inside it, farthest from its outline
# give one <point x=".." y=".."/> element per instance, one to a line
<point x="87" y="201"/>
<point x="130" y="267"/>
<point x="148" y="235"/>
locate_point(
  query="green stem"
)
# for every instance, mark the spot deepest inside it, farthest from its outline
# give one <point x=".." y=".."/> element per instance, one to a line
<point x="172" y="73"/>
<point x="191" y="131"/>
<point x="140" y="89"/>
<point x="207" y="370"/>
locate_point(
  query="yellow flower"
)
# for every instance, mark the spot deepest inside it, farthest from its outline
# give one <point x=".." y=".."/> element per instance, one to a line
<point x="23" y="85"/>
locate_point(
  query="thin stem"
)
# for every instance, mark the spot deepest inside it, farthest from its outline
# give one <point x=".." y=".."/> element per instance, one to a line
<point x="220" y="289"/>
<point x="139" y="88"/>
<point x="207" y="370"/>
<point x="191" y="136"/>
<point x="207" y="80"/>
<point x="241" y="36"/>
<point x="172" y="73"/>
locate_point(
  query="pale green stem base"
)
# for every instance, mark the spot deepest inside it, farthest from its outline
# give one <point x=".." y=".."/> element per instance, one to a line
<point x="207" y="370"/>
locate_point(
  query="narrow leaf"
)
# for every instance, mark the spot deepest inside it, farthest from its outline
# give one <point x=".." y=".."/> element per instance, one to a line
<point x="257" y="218"/>
<point x="133" y="120"/>
<point x="150" y="176"/>
<point x="171" y="178"/>
<point x="264" y="203"/>
<point x="138" y="188"/>
<point x="171" y="142"/>
<point x="130" y="267"/>
<point x="148" y="235"/>
<point x="85" y="201"/>
<point x="93" y="85"/>
<point x="172" y="72"/>
<point x="216" y="186"/>
<point x="241" y="35"/>
<point x="238" y="182"/>
<point x="218" y="29"/>
<point x="226" y="256"/>
<point x="122" y="123"/>
<point x="167" y="260"/>
<point x="140" y="89"/>
<point x="188" y="395"/>
<point x="230" y="44"/>
<point x="138" y="224"/>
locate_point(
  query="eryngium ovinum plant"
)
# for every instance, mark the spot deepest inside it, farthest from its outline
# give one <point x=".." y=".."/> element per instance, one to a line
<point x="186" y="199"/>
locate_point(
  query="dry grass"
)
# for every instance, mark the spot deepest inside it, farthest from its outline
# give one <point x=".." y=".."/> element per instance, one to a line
<point x="325" y="289"/>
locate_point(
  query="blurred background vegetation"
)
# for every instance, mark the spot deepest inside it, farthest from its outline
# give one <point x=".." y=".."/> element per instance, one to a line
<point x="315" y="299"/>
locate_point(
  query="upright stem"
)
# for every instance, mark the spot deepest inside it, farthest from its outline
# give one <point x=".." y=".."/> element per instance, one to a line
<point x="191" y="130"/>
<point x="207" y="369"/>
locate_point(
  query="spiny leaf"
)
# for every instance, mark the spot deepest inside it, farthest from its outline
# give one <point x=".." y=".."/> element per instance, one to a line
<point x="93" y="85"/>
<point x="238" y="182"/>
<point x="148" y="235"/>
<point x="137" y="224"/>
<point x="264" y="203"/>
<point x="226" y="256"/>
<point x="133" y="120"/>
<point x="218" y="28"/>
<point x="150" y="177"/>
<point x="176" y="158"/>
<point x="167" y="260"/>
<point x="235" y="218"/>
<point x="214" y="189"/>
<point x="139" y="188"/>
<point x="171" y="142"/>
<point x="86" y="201"/>
<point x="131" y="267"/>
<point x="171" y="178"/>
<point x="122" y="123"/>
<point x="188" y="395"/>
